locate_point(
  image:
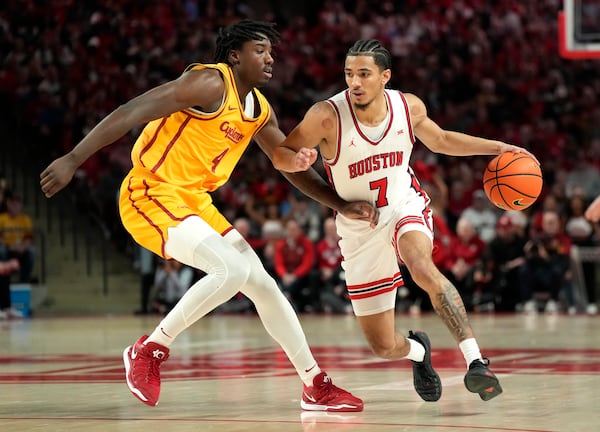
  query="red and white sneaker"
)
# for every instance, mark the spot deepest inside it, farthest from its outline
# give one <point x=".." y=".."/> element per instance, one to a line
<point x="324" y="396"/>
<point x="142" y="369"/>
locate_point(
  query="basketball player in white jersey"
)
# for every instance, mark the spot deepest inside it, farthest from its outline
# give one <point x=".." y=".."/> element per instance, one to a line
<point x="365" y="135"/>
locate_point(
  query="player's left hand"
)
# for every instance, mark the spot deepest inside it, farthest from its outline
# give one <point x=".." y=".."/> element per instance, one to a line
<point x="305" y="157"/>
<point x="517" y="149"/>
<point x="361" y="210"/>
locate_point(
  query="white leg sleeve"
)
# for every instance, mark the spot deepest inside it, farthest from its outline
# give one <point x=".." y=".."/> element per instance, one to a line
<point x="275" y="311"/>
<point x="195" y="243"/>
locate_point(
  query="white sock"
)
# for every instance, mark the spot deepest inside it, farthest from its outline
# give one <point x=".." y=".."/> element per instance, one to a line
<point x="416" y="352"/>
<point x="470" y="350"/>
<point x="307" y="375"/>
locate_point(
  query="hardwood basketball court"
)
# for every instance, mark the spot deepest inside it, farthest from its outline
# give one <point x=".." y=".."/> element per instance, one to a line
<point x="226" y="374"/>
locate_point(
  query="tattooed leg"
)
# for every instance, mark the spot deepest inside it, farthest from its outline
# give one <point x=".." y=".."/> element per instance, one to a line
<point x="449" y="306"/>
<point x="415" y="250"/>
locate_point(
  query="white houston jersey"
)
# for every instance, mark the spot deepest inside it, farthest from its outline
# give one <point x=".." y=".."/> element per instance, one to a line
<point x="370" y="170"/>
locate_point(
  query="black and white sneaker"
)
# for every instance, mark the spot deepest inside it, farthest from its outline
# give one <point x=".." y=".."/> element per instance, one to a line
<point x="480" y="379"/>
<point x="427" y="382"/>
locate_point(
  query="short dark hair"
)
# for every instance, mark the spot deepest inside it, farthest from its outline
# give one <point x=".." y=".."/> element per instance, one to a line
<point x="233" y="37"/>
<point x="372" y="47"/>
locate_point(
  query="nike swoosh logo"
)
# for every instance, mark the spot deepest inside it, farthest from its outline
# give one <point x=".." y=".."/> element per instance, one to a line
<point x="134" y="353"/>
<point x="310" y="398"/>
<point x="230" y="108"/>
<point x="311" y="368"/>
<point x="517" y="202"/>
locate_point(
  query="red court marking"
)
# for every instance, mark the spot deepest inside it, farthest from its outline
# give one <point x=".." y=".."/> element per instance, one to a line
<point x="65" y="368"/>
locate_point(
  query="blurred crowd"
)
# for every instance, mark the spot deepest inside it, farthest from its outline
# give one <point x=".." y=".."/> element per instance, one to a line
<point x="488" y="68"/>
<point x="17" y="251"/>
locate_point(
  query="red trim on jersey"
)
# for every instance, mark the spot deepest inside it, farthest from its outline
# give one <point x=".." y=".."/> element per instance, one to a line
<point x="357" y="124"/>
<point x="224" y="233"/>
<point x="143" y="215"/>
<point x="416" y="185"/>
<point x="408" y="120"/>
<point x="151" y="142"/>
<point x="339" y="134"/>
<point x="171" y="144"/>
<point x="407" y="220"/>
<point x="371" y="289"/>
<point x="148" y="219"/>
<point x="427" y="217"/>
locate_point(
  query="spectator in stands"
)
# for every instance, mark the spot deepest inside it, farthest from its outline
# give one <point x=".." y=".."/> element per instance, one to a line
<point x="146" y="265"/>
<point x="308" y="215"/>
<point x="496" y="277"/>
<point x="481" y="216"/>
<point x="550" y="203"/>
<point x="460" y="191"/>
<point x="294" y="262"/>
<point x="464" y="253"/>
<point x="265" y="215"/>
<point x="583" y="177"/>
<point x="329" y="280"/>
<point x="581" y="233"/>
<point x="244" y="227"/>
<point x="171" y="282"/>
<point x="546" y="269"/>
<point x="3" y="192"/>
<point x="16" y="230"/>
<point x="7" y="267"/>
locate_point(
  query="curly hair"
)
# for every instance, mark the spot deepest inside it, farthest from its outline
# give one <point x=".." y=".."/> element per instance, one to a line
<point x="233" y="37"/>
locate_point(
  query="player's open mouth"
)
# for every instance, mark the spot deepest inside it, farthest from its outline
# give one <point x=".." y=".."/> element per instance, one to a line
<point x="268" y="73"/>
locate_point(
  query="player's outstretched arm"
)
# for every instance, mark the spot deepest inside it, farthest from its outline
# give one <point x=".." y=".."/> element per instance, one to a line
<point x="453" y="143"/>
<point x="193" y="88"/>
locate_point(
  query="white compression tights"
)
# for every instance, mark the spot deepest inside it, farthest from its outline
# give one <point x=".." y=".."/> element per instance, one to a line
<point x="231" y="266"/>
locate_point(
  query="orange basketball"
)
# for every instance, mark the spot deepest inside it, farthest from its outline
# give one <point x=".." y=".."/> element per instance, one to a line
<point x="512" y="181"/>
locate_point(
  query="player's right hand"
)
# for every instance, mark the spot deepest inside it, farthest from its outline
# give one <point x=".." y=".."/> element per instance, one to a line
<point x="361" y="210"/>
<point x="305" y="157"/>
<point x="57" y="175"/>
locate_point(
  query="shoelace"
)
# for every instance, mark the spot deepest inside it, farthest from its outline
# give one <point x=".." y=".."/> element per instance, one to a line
<point x="328" y="392"/>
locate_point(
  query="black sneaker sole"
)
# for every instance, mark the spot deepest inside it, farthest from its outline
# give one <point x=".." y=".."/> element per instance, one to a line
<point x="430" y="394"/>
<point x="488" y="387"/>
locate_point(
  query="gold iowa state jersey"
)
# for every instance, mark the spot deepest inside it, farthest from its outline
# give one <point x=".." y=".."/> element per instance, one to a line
<point x="195" y="150"/>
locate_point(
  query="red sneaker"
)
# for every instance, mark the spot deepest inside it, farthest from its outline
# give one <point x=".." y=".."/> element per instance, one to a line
<point x="324" y="396"/>
<point x="142" y="369"/>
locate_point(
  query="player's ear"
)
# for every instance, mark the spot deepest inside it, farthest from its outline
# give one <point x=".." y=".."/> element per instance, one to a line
<point x="234" y="57"/>
<point x="386" y="76"/>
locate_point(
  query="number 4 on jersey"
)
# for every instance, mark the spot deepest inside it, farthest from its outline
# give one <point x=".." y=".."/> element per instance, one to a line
<point x="216" y="161"/>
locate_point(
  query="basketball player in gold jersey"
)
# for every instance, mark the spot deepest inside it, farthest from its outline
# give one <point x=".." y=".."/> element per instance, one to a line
<point x="198" y="126"/>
